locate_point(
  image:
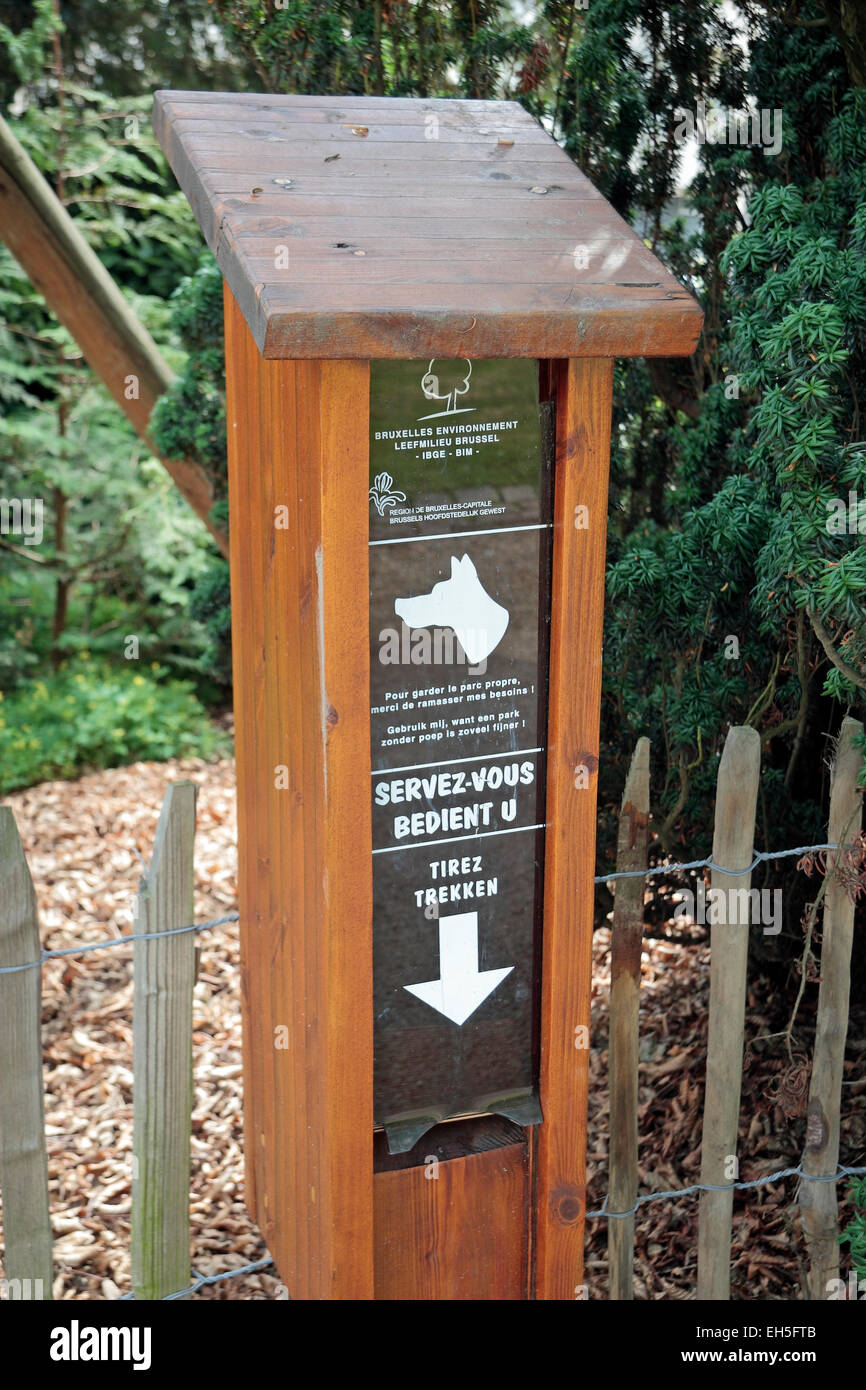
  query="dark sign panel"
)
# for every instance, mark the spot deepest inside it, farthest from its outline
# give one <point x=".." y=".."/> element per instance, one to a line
<point x="459" y="540"/>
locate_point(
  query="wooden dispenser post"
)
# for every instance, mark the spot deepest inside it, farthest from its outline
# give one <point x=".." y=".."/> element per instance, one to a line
<point x="352" y="232"/>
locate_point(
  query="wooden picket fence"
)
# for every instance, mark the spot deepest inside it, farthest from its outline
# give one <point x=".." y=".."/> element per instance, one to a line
<point x="164" y="978"/>
<point x="733" y="840"/>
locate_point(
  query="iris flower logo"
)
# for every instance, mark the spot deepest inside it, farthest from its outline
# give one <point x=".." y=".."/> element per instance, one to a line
<point x="384" y="494"/>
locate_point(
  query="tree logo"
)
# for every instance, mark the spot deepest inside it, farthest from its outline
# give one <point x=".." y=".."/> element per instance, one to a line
<point x="447" y="383"/>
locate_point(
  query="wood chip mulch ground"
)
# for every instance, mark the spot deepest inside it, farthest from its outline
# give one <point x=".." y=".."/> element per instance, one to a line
<point x="85" y="842"/>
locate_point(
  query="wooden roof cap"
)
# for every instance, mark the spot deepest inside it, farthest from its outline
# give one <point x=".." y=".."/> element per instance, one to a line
<point x="378" y="227"/>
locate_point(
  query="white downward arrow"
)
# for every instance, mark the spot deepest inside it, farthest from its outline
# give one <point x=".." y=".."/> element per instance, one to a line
<point x="462" y="986"/>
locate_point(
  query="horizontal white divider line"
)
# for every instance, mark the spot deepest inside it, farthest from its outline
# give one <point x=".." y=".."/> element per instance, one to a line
<point x="454" y="839"/>
<point x="456" y="535"/>
<point x="449" y="762"/>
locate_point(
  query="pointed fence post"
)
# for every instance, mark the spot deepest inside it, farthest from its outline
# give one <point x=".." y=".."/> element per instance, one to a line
<point x="626" y="939"/>
<point x="23" y="1156"/>
<point x="818" y="1200"/>
<point x="162" y="1055"/>
<point x="733" y="846"/>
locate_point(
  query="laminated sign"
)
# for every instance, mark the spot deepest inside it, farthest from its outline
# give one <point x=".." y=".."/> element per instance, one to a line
<point x="460" y="516"/>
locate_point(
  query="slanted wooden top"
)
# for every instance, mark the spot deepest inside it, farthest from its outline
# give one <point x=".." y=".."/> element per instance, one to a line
<point x="396" y="227"/>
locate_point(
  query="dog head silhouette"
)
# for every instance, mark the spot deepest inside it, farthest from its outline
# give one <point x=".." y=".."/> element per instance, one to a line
<point x="460" y="602"/>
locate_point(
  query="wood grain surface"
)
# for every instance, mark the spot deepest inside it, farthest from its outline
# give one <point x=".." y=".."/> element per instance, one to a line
<point x="457" y="1231"/>
<point x="162" y="1026"/>
<point x="819" y="1201"/>
<point x="583" y="419"/>
<point x="27" y="1239"/>
<point x="733" y="842"/>
<point x="624" y="1046"/>
<point x="394" y="227"/>
<point x="301" y="676"/>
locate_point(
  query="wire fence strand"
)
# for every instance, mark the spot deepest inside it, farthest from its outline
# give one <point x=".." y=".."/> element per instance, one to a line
<point x="116" y="941"/>
<point x="841" y="1172"/>
<point x="202" y="1280"/>
<point x="760" y="857"/>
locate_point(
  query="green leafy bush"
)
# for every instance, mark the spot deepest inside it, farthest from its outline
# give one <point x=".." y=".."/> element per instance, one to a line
<point x="854" y="1233"/>
<point x="188" y="421"/>
<point x="88" y="716"/>
<point x="121" y="552"/>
